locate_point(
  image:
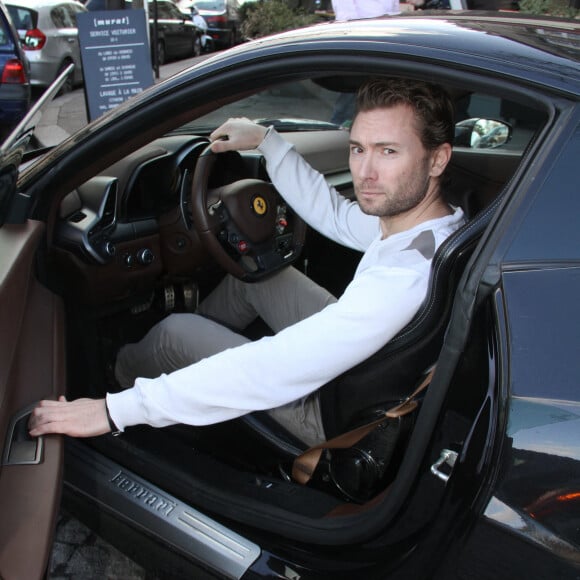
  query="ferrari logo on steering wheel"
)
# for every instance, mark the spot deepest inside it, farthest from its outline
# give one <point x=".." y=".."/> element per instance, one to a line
<point x="259" y="205"/>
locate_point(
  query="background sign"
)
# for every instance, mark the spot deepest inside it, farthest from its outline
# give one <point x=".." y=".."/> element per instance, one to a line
<point x="116" y="57"/>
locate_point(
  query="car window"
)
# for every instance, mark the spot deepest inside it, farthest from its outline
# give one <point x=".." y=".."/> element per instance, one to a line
<point x="210" y="5"/>
<point x="4" y="38"/>
<point x="173" y="11"/>
<point x="59" y="17"/>
<point x="292" y="107"/>
<point x="163" y="10"/>
<point x="22" y="18"/>
<point x="73" y="10"/>
<point x="524" y="121"/>
<point x="305" y="105"/>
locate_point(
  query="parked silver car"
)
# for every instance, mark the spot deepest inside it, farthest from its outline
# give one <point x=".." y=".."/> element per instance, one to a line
<point x="48" y="32"/>
<point x="14" y="77"/>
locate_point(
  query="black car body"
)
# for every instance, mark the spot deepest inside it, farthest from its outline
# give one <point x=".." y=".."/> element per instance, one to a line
<point x="171" y="33"/>
<point x="177" y="36"/>
<point x="223" y="20"/>
<point x="98" y="243"/>
<point x="14" y="76"/>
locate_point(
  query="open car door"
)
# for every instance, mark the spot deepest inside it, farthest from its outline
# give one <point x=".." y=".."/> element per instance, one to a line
<point x="32" y="367"/>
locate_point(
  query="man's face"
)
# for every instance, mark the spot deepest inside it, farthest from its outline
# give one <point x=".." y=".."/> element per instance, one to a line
<point x="390" y="167"/>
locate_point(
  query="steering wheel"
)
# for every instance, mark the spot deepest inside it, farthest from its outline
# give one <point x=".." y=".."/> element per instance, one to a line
<point x="245" y="225"/>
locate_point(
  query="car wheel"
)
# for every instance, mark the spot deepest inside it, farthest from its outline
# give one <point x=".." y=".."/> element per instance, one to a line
<point x="161" y="56"/>
<point x="196" y="49"/>
<point x="209" y="47"/>
<point x="68" y="84"/>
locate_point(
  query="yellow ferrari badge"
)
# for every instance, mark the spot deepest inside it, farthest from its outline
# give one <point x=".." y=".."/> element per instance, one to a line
<point x="259" y="205"/>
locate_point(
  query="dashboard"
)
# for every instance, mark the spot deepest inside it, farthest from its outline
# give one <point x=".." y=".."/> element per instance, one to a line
<point x="123" y="232"/>
<point x="128" y="231"/>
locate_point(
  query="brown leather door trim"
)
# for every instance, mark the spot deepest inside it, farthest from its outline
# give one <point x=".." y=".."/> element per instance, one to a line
<point x="32" y="367"/>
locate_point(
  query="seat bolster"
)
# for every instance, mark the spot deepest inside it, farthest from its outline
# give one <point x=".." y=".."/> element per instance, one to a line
<point x="274" y="435"/>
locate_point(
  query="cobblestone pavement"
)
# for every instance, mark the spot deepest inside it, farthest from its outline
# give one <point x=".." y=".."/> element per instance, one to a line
<point x="79" y="554"/>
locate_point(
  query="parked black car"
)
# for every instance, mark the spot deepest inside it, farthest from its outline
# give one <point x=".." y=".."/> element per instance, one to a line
<point x="172" y="34"/>
<point x="14" y="76"/>
<point x="223" y="20"/>
<point x="100" y="239"/>
<point x="177" y="36"/>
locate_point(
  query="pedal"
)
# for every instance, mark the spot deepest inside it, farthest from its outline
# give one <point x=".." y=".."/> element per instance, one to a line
<point x="190" y="296"/>
<point x="144" y="306"/>
<point x="168" y="298"/>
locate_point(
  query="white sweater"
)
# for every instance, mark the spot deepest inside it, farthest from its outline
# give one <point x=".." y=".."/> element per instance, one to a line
<point x="387" y="290"/>
<point x="355" y="9"/>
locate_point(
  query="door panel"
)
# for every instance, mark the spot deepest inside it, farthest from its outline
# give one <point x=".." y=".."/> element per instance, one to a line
<point x="32" y="367"/>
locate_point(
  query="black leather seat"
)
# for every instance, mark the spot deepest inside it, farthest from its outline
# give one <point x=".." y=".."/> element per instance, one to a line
<point x="397" y="367"/>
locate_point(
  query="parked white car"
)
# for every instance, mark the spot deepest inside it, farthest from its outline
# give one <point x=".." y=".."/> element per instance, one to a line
<point x="48" y="32"/>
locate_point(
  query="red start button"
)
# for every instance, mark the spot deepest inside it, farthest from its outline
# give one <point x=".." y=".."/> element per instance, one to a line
<point x="242" y="246"/>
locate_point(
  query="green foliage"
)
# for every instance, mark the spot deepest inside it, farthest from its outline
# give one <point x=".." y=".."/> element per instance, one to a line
<point x="265" y="17"/>
<point x="549" y="8"/>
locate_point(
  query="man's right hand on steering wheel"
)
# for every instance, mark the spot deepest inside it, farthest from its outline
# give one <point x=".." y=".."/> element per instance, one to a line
<point x="238" y="134"/>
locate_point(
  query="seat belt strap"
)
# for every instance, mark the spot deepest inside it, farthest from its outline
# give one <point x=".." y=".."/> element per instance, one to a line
<point x="304" y="465"/>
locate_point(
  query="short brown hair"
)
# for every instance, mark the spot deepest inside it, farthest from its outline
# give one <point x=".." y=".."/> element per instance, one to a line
<point x="431" y="103"/>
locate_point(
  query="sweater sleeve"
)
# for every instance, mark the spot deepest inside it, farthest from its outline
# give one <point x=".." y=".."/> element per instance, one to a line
<point x="276" y="370"/>
<point x="317" y="203"/>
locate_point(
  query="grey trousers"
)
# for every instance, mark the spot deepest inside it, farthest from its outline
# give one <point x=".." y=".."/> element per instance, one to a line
<point x="183" y="339"/>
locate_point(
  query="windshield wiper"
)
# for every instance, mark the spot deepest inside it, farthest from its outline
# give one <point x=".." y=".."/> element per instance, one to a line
<point x="282" y="125"/>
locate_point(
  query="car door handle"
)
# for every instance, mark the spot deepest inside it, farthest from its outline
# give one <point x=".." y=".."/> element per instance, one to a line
<point x="20" y="448"/>
<point x="447" y="459"/>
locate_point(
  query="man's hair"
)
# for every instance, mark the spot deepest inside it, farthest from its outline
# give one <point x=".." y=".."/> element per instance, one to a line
<point x="432" y="106"/>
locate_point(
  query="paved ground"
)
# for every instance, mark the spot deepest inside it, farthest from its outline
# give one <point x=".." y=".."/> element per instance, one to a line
<point x="79" y="554"/>
<point x="68" y="113"/>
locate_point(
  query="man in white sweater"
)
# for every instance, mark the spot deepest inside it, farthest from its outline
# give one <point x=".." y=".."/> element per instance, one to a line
<point x="356" y="9"/>
<point x="191" y="369"/>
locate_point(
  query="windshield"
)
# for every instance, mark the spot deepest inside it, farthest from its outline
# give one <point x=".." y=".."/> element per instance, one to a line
<point x="23" y="18"/>
<point x="296" y="106"/>
<point x="210" y="5"/>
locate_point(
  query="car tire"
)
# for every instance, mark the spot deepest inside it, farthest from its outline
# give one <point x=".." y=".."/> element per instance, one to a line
<point x="68" y="85"/>
<point x="196" y="48"/>
<point x="161" y="55"/>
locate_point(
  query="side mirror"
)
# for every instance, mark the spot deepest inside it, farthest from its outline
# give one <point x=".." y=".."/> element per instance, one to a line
<point x="482" y="133"/>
